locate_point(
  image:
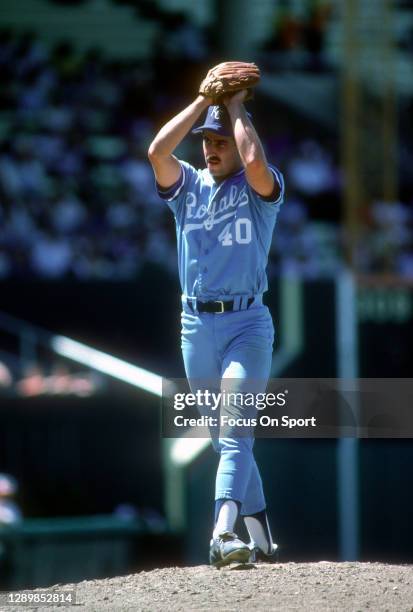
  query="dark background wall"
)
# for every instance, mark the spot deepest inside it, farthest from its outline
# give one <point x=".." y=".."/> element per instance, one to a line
<point x="137" y="321"/>
<point x="80" y="456"/>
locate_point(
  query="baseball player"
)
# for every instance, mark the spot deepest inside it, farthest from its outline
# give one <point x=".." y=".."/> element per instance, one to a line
<point x="225" y="216"/>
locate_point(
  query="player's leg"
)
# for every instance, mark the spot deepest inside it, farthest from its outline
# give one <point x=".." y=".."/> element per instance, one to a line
<point x="201" y="360"/>
<point x="203" y="370"/>
<point x="202" y="363"/>
<point x="246" y="368"/>
<point x="255" y="518"/>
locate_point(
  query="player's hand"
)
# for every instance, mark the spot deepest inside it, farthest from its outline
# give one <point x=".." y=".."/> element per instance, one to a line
<point x="237" y="98"/>
<point x="207" y="101"/>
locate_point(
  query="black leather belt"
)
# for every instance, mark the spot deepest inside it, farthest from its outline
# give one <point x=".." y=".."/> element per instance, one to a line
<point x="215" y="306"/>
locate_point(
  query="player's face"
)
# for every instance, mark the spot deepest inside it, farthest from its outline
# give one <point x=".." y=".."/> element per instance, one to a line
<point x="221" y="154"/>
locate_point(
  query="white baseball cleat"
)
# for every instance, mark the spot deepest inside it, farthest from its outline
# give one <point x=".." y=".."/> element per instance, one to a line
<point x="259" y="555"/>
<point x="228" y="548"/>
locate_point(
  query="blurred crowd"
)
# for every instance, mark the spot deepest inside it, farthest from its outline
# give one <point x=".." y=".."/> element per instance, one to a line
<point x="298" y="40"/>
<point x="77" y="194"/>
<point x="38" y="378"/>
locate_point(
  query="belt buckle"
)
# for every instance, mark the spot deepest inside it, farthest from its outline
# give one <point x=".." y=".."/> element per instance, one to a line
<point x="222" y="306"/>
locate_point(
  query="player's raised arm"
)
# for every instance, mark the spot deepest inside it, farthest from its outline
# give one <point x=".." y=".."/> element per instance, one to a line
<point x="257" y="171"/>
<point x="165" y="165"/>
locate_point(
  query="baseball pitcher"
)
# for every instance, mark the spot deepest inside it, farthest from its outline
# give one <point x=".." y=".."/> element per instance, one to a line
<point x="225" y="216"/>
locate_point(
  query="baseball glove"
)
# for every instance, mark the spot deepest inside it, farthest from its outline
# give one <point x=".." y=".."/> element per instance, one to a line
<point x="229" y="77"/>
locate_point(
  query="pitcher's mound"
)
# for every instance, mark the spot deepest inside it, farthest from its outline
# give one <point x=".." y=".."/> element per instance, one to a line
<point x="304" y="587"/>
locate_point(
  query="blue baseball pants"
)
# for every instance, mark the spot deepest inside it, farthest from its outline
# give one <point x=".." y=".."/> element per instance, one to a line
<point x="231" y="352"/>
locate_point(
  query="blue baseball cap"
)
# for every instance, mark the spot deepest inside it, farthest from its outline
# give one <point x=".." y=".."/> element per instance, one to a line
<point x="217" y="120"/>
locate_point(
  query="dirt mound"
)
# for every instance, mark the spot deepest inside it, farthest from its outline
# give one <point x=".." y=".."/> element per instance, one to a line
<point x="318" y="587"/>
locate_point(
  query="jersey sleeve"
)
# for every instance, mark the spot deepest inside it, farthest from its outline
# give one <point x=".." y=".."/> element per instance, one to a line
<point x="277" y="195"/>
<point x="174" y="195"/>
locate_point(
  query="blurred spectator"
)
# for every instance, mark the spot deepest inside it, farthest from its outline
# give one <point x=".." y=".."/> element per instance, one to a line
<point x="86" y="384"/>
<point x="388" y="244"/>
<point x="63" y="382"/>
<point x="68" y="213"/>
<point x="286" y="32"/>
<point x="60" y="380"/>
<point x="310" y="171"/>
<point x="51" y="255"/>
<point x="29" y="54"/>
<point x="28" y="174"/>
<point x="33" y="381"/>
<point x="136" y="173"/>
<point x="313" y="176"/>
<point x="297" y="41"/>
<point x="304" y="248"/>
<point x="282" y="48"/>
<point x="10" y="512"/>
<point x="313" y="35"/>
<point x="6" y="379"/>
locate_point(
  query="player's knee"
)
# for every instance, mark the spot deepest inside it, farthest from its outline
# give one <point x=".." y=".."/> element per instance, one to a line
<point x="236" y="445"/>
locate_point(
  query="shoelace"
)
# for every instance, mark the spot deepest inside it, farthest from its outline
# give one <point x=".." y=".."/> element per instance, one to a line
<point x="227" y="536"/>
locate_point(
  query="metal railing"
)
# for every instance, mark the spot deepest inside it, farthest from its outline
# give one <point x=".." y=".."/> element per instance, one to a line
<point x="32" y="339"/>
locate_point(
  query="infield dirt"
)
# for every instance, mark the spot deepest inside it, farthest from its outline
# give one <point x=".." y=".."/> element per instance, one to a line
<point x="307" y="587"/>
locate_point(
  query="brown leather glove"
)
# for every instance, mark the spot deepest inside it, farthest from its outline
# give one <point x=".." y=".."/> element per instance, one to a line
<point x="229" y="77"/>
